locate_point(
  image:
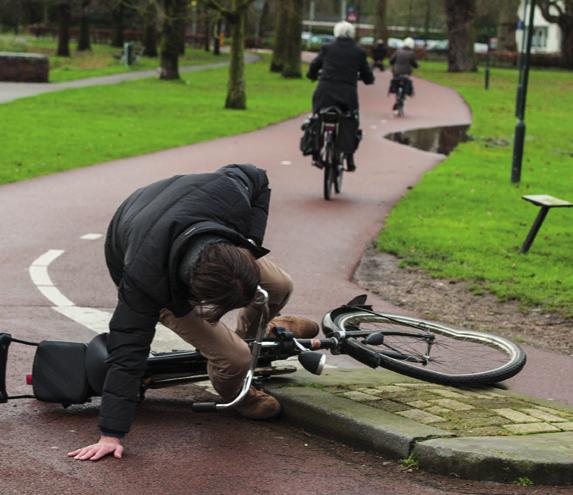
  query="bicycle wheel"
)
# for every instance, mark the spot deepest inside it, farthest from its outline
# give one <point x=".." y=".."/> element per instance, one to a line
<point x="339" y="172"/>
<point x="431" y="351"/>
<point x="329" y="171"/>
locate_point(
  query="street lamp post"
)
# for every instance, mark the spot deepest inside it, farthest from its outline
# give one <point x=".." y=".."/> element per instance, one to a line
<point x="519" y="136"/>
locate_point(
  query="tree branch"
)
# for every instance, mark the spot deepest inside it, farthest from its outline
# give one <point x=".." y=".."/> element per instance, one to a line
<point x="545" y="5"/>
<point x="215" y="5"/>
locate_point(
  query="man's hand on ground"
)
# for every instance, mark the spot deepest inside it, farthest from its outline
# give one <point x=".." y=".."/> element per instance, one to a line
<point x="105" y="446"/>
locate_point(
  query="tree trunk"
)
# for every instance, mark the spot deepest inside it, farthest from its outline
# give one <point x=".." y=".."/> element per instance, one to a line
<point x="507" y="25"/>
<point x="181" y="24"/>
<point x="84" y="42"/>
<point x="280" y="42"/>
<point x="293" y="43"/>
<point x="217" y="38"/>
<point x="117" y="20"/>
<point x="150" y="30"/>
<point x="562" y="15"/>
<point x="170" y="42"/>
<point x="236" y="96"/>
<point x="567" y="45"/>
<point x="206" y="30"/>
<point x="460" y="15"/>
<point x="64" y="20"/>
<point x="380" y="22"/>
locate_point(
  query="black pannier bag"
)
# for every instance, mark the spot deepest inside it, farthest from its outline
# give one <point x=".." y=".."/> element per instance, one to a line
<point x="59" y="373"/>
<point x="310" y="140"/>
<point x="349" y="135"/>
<point x="405" y="81"/>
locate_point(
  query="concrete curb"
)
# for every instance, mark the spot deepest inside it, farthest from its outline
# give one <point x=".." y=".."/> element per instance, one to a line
<point x="309" y="401"/>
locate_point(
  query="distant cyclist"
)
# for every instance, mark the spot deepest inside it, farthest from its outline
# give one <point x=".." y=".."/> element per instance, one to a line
<point x="403" y="61"/>
<point x="379" y="53"/>
<point x="338" y="67"/>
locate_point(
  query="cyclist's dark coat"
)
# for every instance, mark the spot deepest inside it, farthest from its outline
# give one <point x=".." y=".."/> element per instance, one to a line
<point x="146" y="239"/>
<point x="342" y="63"/>
<point x="379" y="52"/>
<point x="403" y="61"/>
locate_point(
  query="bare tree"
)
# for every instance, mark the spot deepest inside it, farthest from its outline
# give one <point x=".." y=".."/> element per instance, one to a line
<point x="235" y="17"/>
<point x="507" y="25"/>
<point x="118" y="23"/>
<point x="292" y="63"/>
<point x="460" y="15"/>
<point x="173" y="11"/>
<point x="84" y="41"/>
<point x="561" y="13"/>
<point x="150" y="31"/>
<point x="64" y="20"/>
<point x="280" y="40"/>
<point x="380" y="24"/>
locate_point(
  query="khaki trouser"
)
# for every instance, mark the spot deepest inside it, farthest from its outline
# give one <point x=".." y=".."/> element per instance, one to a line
<point x="227" y="353"/>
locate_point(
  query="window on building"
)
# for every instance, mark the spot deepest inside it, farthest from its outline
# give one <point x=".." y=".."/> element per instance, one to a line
<point x="539" y="38"/>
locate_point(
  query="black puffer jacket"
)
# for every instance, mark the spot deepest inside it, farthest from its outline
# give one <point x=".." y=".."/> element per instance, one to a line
<point x="340" y="65"/>
<point x="146" y="239"/>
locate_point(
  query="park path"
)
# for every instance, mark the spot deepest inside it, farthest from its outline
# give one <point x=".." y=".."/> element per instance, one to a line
<point x="10" y="91"/>
<point x="319" y="243"/>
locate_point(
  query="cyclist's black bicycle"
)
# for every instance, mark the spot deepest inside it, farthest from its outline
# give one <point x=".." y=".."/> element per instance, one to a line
<point x="402" y="87"/>
<point x="72" y="373"/>
<point x="331" y="159"/>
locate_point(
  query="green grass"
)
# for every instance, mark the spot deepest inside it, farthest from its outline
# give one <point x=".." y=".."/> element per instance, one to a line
<point x="74" y="128"/>
<point x="102" y="60"/>
<point x="466" y="221"/>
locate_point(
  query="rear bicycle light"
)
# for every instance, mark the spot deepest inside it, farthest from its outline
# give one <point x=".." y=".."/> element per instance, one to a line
<point x="28" y="379"/>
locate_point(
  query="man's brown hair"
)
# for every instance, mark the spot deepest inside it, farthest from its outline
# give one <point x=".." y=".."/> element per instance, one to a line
<point x="225" y="278"/>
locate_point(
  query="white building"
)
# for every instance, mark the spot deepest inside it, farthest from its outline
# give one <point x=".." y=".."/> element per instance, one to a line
<point x="546" y="36"/>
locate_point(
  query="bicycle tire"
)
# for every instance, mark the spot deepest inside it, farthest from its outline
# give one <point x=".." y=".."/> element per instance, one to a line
<point x="457" y="357"/>
<point x="328" y="181"/>
<point x="338" y="178"/>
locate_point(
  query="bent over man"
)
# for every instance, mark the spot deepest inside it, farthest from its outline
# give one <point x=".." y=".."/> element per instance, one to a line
<point x="187" y="250"/>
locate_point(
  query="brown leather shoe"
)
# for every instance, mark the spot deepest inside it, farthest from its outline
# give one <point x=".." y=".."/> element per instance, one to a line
<point x="258" y="405"/>
<point x="301" y="328"/>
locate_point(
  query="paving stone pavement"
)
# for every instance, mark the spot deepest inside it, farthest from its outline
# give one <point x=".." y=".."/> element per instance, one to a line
<point x="477" y="433"/>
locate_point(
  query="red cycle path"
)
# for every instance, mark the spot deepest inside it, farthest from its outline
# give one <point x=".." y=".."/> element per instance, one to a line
<point x="318" y="242"/>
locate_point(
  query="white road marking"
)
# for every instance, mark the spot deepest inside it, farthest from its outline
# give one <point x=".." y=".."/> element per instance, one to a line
<point x="373" y="126"/>
<point x="48" y="257"/>
<point x="54" y="295"/>
<point x="286" y="162"/>
<point x="39" y="275"/>
<point x="91" y="237"/>
<point x="95" y="319"/>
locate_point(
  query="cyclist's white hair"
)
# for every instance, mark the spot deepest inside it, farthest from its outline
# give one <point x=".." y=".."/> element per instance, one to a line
<point x="344" y="29"/>
<point x="409" y="43"/>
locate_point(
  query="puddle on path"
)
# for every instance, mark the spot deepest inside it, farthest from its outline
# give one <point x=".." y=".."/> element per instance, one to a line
<point x="436" y="139"/>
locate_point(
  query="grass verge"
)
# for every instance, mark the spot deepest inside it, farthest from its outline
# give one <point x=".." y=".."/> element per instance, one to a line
<point x="73" y="128"/>
<point x="101" y="60"/>
<point x="466" y="221"/>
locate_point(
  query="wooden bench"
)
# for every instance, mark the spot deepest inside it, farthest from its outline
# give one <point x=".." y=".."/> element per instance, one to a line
<point x="24" y="67"/>
<point x="546" y="202"/>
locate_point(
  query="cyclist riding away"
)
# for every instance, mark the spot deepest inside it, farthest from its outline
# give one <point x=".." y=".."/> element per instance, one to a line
<point x="379" y="54"/>
<point x="338" y="67"/>
<point x="186" y="250"/>
<point x="403" y="61"/>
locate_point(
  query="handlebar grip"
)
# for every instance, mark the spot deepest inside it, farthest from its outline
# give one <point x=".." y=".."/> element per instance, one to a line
<point x="360" y="352"/>
<point x="204" y="406"/>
